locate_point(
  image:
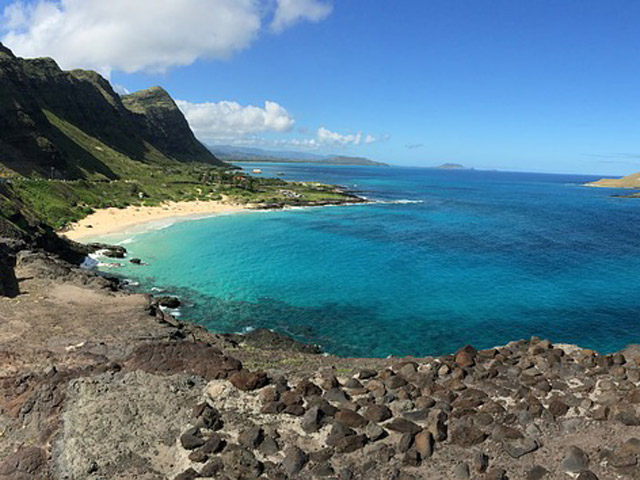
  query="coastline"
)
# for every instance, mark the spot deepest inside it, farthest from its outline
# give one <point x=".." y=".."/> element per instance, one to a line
<point x="504" y="412"/>
<point x="111" y="221"/>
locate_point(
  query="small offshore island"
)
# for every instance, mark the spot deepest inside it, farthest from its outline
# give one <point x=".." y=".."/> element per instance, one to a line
<point x="99" y="382"/>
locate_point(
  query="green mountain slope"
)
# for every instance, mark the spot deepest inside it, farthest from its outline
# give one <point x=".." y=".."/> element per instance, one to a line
<point x="69" y="145"/>
<point x="72" y="125"/>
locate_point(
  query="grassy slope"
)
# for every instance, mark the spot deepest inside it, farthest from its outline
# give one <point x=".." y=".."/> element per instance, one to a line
<point x="630" y="181"/>
<point x="156" y="180"/>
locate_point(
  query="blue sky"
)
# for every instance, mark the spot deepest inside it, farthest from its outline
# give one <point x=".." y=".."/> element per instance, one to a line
<point x="544" y="85"/>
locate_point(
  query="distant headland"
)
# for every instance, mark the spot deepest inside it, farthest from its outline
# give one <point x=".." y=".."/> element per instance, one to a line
<point x="246" y="154"/>
<point x="631" y="181"/>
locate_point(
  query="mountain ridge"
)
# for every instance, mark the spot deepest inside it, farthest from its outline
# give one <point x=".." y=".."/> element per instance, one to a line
<point x="56" y="123"/>
<point x="232" y="153"/>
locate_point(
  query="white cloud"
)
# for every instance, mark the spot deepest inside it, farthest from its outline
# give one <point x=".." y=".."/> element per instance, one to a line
<point x="143" y="35"/>
<point x="327" y="137"/>
<point x="231" y="123"/>
<point x="290" y="12"/>
<point x="224" y="121"/>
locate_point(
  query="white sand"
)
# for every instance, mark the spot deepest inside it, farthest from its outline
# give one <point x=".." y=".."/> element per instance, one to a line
<point x="117" y="220"/>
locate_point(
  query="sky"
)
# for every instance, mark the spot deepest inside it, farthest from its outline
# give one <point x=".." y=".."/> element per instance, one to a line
<point x="537" y="85"/>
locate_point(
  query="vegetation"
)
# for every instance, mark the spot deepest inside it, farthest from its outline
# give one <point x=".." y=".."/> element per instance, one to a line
<point x="60" y="202"/>
<point x="74" y="146"/>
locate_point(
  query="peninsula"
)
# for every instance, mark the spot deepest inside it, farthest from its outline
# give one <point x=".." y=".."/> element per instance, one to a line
<point x="629" y="181"/>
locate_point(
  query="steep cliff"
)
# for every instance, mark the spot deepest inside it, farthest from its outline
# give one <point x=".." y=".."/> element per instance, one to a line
<point x="165" y="126"/>
<point x="73" y="125"/>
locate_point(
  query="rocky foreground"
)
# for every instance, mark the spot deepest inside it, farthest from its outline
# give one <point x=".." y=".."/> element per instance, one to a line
<point x="99" y="383"/>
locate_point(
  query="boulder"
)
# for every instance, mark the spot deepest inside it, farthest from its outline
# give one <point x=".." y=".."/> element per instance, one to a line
<point x="377" y="413"/>
<point x="213" y="444"/>
<point x="353" y="383"/>
<point x="351" y="419"/>
<point x="575" y="460"/>
<point x="241" y="463"/>
<point x="212" y="468"/>
<point x="402" y="426"/>
<point x="191" y="440"/>
<point x="395" y="382"/>
<point x="168" y="301"/>
<point x="188" y="474"/>
<point x="338" y="432"/>
<point x="294" y="460"/>
<point x="296" y="410"/>
<point x="8" y="281"/>
<point x="307" y="388"/>
<point x="269" y="446"/>
<point x="558" y="408"/>
<point x="311" y="420"/>
<point x="251" y="437"/>
<point x="519" y="447"/>
<point x="423" y="443"/>
<point x="466" y="356"/>
<point x="537" y="473"/>
<point x="366" y="374"/>
<point x="375" y="432"/>
<point x="351" y="443"/>
<point x="273" y="407"/>
<point x="245" y="380"/>
<point x="467" y="436"/>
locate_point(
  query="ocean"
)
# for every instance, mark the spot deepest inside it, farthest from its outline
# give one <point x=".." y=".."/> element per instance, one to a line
<point x="446" y="258"/>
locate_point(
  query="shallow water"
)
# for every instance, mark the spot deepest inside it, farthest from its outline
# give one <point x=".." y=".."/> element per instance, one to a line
<point x="451" y="257"/>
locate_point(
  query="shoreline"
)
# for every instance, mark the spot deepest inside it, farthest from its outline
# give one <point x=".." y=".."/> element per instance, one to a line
<point x="527" y="406"/>
<point x="111" y="221"/>
<point x="114" y="358"/>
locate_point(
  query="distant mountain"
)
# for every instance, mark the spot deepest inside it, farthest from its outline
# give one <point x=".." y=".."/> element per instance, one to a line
<point x="72" y="124"/>
<point x="230" y="153"/>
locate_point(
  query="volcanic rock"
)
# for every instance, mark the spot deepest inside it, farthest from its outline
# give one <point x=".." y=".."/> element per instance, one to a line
<point x="245" y="380"/>
<point x="295" y="459"/>
<point x="402" y="426"/>
<point x="575" y="460"/>
<point x="377" y="413"/>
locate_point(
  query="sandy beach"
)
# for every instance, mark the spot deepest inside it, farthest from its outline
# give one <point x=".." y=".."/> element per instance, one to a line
<point x="117" y="220"/>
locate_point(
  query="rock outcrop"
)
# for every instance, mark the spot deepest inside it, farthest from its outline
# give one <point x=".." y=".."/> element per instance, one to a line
<point x="8" y="282"/>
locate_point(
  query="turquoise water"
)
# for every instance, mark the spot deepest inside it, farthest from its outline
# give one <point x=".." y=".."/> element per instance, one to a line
<point x="453" y="257"/>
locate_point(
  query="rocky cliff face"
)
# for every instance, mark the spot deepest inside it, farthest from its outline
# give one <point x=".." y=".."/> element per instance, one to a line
<point x="164" y="125"/>
<point x="52" y="122"/>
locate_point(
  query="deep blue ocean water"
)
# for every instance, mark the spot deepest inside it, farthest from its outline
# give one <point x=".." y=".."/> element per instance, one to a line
<point x="454" y="257"/>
